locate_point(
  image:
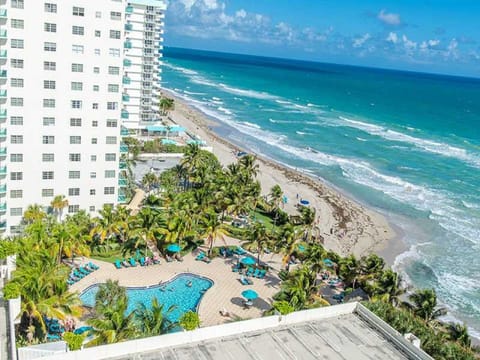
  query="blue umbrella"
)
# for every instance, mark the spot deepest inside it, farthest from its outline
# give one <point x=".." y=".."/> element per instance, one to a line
<point x="304" y="202"/>
<point x="328" y="262"/>
<point x="249" y="294"/>
<point x="175" y="248"/>
<point x="247" y="261"/>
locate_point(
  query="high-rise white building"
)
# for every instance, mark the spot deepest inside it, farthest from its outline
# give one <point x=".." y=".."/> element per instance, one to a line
<point x="71" y="72"/>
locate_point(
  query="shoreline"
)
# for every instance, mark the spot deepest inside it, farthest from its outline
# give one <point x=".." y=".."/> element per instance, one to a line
<point x="345" y="225"/>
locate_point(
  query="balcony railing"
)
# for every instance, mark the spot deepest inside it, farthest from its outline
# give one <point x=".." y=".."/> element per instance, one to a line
<point x="3" y="74"/>
<point x="127" y="45"/>
<point x="3" y="189"/>
<point x="126" y="80"/>
<point x="3" y="33"/>
<point x="3" y="114"/>
<point x="129" y="9"/>
<point x="122" y="165"/>
<point x="125" y="97"/>
<point x="3" y="93"/>
<point x="3" y="54"/>
<point x="128" y="26"/>
<point x="127" y="62"/>
<point x="123" y="149"/>
<point x="3" y="225"/>
<point x="122" y="198"/>
<point x="124" y="132"/>
<point x="3" y="134"/>
<point x="3" y="208"/>
<point x="3" y="13"/>
<point x="125" y="114"/>
<point x="3" y="151"/>
<point x="122" y="182"/>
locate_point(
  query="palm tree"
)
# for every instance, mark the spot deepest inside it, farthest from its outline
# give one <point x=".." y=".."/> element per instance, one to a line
<point x="59" y="203"/>
<point x="213" y="228"/>
<point x="349" y="270"/>
<point x="276" y="194"/>
<point x="308" y="219"/>
<point x="106" y="225"/>
<point x="153" y="320"/>
<point x="34" y="213"/>
<point x="69" y="241"/>
<point x="149" y="180"/>
<point x="166" y="105"/>
<point x="108" y="295"/>
<point x="425" y="304"/>
<point x="258" y="238"/>
<point x="459" y="333"/>
<point x="299" y="288"/>
<point x="288" y="238"/>
<point x="315" y="256"/>
<point x="249" y="166"/>
<point x="148" y="226"/>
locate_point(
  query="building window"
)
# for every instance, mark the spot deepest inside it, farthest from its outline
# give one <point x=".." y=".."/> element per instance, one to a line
<point x="77" y="67"/>
<point x="98" y="14"/>
<point x="16" y="43"/>
<point x="17" y="24"/>
<point x="91" y="208"/>
<point x="110" y="157"/>
<point x="76" y="86"/>
<point x="49" y="65"/>
<point x="74" y="174"/>
<point x="16" y="63"/>
<point x="112" y="105"/>
<point x="113" y="70"/>
<point x="109" y="174"/>
<point x="75" y="122"/>
<point x="48" y="139"/>
<point x="49" y="27"/>
<point x="48" y="157"/>
<point x="115" y="34"/>
<point x="95" y="106"/>
<point x="47" y="175"/>
<point x="74" y="157"/>
<point x="94" y="141"/>
<point x="76" y="104"/>
<point x="96" y="70"/>
<point x="98" y="33"/>
<point x="96" y="88"/>
<point x="115" y="15"/>
<point x="97" y="52"/>
<point x="47" y="192"/>
<point x="18" y="83"/>
<point x="48" y="121"/>
<point x="73" y="191"/>
<point x="110" y="140"/>
<point x="78" y="11"/>
<point x="113" y="88"/>
<point x="93" y="158"/>
<point x="112" y="123"/>
<point x="73" y="209"/>
<point x="16" y="157"/>
<point x="48" y="103"/>
<point x="75" y="139"/>
<point x="50" y="8"/>
<point x="17" y="4"/>
<point x="93" y="175"/>
<point x="94" y="123"/>
<point x="16" y="175"/>
<point x="114" y="52"/>
<point x="16" y="211"/>
<point x="78" y="30"/>
<point x="16" y="120"/>
<point x="49" y="84"/>
<point x="109" y="190"/>
<point x="15" y="101"/>
<point x="78" y="49"/>
<point x="16" y="194"/>
<point x="16" y="139"/>
<point x="50" y="46"/>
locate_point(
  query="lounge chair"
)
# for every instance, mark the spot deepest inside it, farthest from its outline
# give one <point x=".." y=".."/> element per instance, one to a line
<point x="83" y="271"/>
<point x="236" y="268"/>
<point x="142" y="261"/>
<point x="200" y="256"/>
<point x="256" y="273"/>
<point x="70" y="282"/>
<point x="93" y="266"/>
<point x="249" y="271"/>
<point x="78" y="274"/>
<point x="248" y="304"/>
<point x="117" y="264"/>
<point x="239" y="251"/>
<point x="229" y="253"/>
<point x="125" y="263"/>
<point x="133" y="263"/>
<point x="206" y="259"/>
<point x="245" y="281"/>
<point x="262" y="274"/>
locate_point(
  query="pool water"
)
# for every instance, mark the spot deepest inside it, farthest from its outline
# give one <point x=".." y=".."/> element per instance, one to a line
<point x="175" y="292"/>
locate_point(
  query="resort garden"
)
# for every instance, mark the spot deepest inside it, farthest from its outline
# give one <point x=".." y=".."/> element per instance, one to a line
<point x="196" y="205"/>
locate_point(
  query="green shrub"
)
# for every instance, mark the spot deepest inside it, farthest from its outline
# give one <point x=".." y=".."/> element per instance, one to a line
<point x="190" y="321"/>
<point x="74" y="341"/>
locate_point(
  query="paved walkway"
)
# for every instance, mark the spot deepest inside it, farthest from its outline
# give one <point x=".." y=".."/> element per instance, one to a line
<point x="224" y="294"/>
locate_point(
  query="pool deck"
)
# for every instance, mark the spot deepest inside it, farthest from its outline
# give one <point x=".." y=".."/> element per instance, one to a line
<point x="224" y="294"/>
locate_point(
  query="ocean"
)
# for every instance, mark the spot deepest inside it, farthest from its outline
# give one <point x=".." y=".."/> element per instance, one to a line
<point x="405" y="144"/>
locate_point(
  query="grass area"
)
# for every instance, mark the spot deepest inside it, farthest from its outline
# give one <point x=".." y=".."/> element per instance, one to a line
<point x="113" y="255"/>
<point x="263" y="218"/>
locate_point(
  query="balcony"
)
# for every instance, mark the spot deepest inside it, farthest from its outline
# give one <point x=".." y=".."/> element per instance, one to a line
<point x="3" y="114"/>
<point x="122" y="198"/>
<point x="127" y="44"/>
<point x="3" y="208"/>
<point x="129" y="10"/>
<point x="122" y="182"/>
<point x="3" y="134"/>
<point x="3" y="171"/>
<point x="3" y="34"/>
<point x="3" y="189"/>
<point x="122" y="165"/>
<point x="127" y="62"/>
<point x="124" y="132"/>
<point x="123" y="149"/>
<point x="3" y="13"/>
<point x="125" y="114"/>
<point x="3" y="152"/>
<point x="126" y="80"/>
<point x="3" y="94"/>
<point x="128" y="27"/>
<point x="3" y="54"/>
<point x="3" y="225"/>
<point x="125" y="98"/>
<point x="3" y="74"/>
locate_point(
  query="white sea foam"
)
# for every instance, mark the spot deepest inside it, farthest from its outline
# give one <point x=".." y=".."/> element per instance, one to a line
<point x="361" y="139"/>
<point x="426" y="145"/>
<point x="193" y="93"/>
<point x="252" y="125"/>
<point x="216" y="98"/>
<point x="301" y="132"/>
<point x="180" y="69"/>
<point x="247" y="93"/>
<point x="224" y="110"/>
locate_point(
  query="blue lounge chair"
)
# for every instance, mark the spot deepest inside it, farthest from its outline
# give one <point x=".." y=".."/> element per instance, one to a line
<point x="83" y="271"/>
<point x="78" y="274"/>
<point x="142" y="261"/>
<point x="229" y="253"/>
<point x="239" y="251"/>
<point x="206" y="259"/>
<point x="70" y="282"/>
<point x="262" y="274"/>
<point x="256" y="273"/>
<point x="133" y="263"/>
<point x="249" y="271"/>
<point x="200" y="256"/>
<point x="92" y="266"/>
<point x="118" y="265"/>
<point x="245" y="281"/>
<point x="236" y="268"/>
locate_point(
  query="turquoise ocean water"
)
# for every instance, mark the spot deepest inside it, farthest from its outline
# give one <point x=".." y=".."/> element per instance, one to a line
<point x="406" y="144"/>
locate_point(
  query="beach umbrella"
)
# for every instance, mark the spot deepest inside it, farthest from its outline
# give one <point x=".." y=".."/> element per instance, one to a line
<point x="249" y="294"/>
<point x="304" y="202"/>
<point x="328" y="262"/>
<point x="175" y="248"/>
<point x="247" y="261"/>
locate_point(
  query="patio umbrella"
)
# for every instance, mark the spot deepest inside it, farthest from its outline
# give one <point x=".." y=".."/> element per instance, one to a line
<point x="249" y="294"/>
<point x="175" y="248"/>
<point x="328" y="262"/>
<point x="248" y="261"/>
<point x="304" y="202"/>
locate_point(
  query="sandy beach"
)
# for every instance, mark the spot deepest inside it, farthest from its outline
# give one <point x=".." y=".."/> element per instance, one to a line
<point x="346" y="226"/>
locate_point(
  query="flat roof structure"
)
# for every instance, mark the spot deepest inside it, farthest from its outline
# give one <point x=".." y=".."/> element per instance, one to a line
<point x="347" y="331"/>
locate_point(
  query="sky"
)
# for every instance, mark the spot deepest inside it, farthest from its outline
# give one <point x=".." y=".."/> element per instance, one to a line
<point x="440" y="36"/>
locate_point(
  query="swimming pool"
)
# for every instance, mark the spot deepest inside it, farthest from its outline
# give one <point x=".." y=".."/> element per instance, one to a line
<point x="174" y="292"/>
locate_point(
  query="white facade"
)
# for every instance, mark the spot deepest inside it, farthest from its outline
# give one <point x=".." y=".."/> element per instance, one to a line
<point x="61" y="72"/>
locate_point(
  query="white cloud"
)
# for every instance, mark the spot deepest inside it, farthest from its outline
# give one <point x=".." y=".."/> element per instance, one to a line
<point x="392" y="37"/>
<point x="408" y="44"/>
<point x="452" y="49"/>
<point x="358" y="42"/>
<point x="389" y="18"/>
<point x="433" y="43"/>
<point x="241" y="14"/>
